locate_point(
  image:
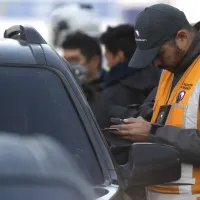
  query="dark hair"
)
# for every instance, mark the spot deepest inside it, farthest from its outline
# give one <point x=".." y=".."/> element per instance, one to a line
<point x="121" y="38"/>
<point x="88" y="46"/>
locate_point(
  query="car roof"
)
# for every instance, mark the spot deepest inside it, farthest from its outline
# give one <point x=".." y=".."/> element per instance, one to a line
<point x="24" y="45"/>
<point x="16" y="51"/>
<point x="20" y="52"/>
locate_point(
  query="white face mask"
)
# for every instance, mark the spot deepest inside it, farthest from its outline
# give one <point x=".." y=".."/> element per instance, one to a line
<point x="80" y="72"/>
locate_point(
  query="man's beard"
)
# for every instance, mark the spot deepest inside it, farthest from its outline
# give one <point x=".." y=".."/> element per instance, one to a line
<point x="179" y="55"/>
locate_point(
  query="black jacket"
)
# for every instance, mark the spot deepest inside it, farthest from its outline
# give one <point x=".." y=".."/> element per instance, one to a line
<point x="124" y="86"/>
<point x="144" y="110"/>
<point x="93" y="89"/>
<point x="187" y="141"/>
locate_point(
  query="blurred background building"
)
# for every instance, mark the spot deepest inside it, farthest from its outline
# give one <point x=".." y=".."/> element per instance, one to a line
<point x="112" y="12"/>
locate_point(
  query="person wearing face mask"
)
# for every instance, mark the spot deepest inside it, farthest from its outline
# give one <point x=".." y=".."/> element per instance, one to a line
<point x="165" y="37"/>
<point x="84" y="54"/>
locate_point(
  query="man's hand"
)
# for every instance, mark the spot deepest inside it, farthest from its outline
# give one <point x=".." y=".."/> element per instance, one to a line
<point x="133" y="129"/>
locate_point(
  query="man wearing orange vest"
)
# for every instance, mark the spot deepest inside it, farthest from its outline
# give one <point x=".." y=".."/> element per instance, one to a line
<point x="165" y="38"/>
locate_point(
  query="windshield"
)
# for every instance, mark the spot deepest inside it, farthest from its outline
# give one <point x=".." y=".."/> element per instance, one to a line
<point x="34" y="100"/>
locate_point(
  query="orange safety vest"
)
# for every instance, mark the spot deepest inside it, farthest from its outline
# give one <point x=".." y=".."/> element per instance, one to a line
<point x="184" y="113"/>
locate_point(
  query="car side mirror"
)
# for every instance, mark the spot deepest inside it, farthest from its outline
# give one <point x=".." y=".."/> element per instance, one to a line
<point x="151" y="164"/>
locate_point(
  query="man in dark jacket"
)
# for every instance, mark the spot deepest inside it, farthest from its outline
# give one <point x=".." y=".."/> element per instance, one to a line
<point x="81" y="50"/>
<point x="123" y="85"/>
<point x="175" y="47"/>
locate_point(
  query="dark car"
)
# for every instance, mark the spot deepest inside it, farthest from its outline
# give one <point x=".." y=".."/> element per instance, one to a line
<point x="39" y="94"/>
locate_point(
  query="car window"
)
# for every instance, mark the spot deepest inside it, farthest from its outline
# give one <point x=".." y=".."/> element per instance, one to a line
<point x="34" y="100"/>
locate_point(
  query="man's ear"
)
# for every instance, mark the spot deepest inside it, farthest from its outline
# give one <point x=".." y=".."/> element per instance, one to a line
<point x="182" y="39"/>
<point x="182" y="34"/>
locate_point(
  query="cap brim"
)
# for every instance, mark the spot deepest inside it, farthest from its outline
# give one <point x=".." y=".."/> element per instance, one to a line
<point x="142" y="58"/>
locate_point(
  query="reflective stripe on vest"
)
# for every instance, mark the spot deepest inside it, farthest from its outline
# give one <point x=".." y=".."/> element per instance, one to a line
<point x="184" y="113"/>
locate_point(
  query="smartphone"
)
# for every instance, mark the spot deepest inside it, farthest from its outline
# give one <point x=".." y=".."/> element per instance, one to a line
<point x="109" y="129"/>
<point x="116" y="121"/>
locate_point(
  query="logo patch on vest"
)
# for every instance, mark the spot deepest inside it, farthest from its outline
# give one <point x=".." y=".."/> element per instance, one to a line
<point x="180" y="96"/>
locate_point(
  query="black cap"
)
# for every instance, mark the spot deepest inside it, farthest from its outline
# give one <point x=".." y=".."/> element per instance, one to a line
<point x="153" y="26"/>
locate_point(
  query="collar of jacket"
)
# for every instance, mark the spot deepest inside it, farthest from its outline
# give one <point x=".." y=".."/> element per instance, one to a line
<point x="118" y="72"/>
<point x="191" y="55"/>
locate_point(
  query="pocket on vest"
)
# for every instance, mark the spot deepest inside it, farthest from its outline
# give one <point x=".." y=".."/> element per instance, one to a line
<point x="176" y="115"/>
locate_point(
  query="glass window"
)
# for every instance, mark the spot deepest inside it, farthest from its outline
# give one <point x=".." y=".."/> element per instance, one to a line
<point x="33" y="101"/>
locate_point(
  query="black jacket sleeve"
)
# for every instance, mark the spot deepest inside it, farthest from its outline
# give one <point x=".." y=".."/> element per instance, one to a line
<point x="187" y="141"/>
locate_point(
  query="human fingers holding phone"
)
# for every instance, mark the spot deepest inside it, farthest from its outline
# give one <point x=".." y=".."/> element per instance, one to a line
<point x="133" y="129"/>
<point x="112" y="138"/>
<point x="116" y="121"/>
